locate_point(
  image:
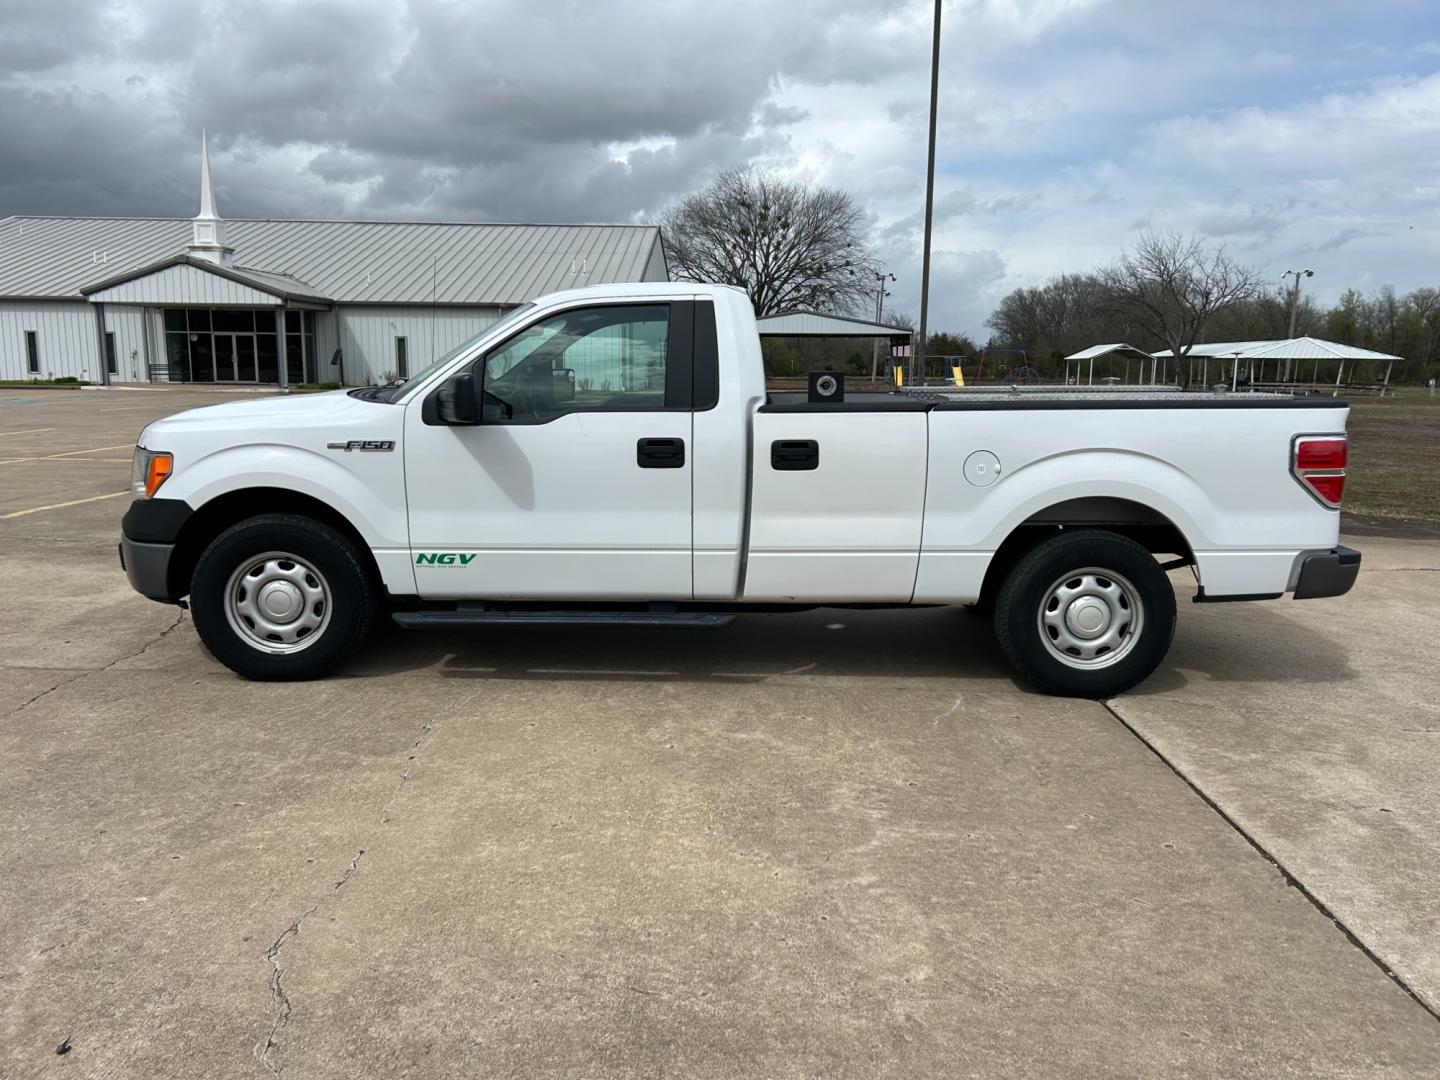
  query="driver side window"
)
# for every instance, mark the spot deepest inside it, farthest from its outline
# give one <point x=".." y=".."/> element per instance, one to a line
<point x="582" y="360"/>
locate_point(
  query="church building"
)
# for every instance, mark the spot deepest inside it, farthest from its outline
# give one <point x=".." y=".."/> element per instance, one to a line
<point x="207" y="300"/>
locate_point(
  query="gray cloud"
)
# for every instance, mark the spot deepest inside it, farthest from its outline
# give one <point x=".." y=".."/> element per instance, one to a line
<point x="423" y="109"/>
<point x="1333" y="242"/>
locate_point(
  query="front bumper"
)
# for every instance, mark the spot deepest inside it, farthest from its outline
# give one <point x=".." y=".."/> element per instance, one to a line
<point x="148" y="568"/>
<point x="148" y="537"/>
<point x="1331" y="573"/>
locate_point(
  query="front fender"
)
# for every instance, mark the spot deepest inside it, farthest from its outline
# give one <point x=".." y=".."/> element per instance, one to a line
<point x="366" y="488"/>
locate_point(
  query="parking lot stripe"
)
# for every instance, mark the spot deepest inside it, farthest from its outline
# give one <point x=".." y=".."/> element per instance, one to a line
<point x="68" y="453"/>
<point x="27" y="431"/>
<point x="62" y="505"/>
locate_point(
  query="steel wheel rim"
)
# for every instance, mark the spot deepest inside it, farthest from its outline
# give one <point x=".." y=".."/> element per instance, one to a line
<point x="278" y="602"/>
<point x="1090" y="618"/>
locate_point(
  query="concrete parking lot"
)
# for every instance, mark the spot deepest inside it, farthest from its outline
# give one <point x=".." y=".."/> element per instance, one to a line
<point x="830" y="844"/>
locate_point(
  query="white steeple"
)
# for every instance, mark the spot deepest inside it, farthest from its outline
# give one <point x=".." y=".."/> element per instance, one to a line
<point x="208" y="240"/>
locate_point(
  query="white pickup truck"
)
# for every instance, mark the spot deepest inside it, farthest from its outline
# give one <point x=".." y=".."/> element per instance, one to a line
<point x="610" y="455"/>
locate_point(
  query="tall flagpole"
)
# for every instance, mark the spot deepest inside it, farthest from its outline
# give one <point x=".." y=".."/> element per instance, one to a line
<point x="918" y="357"/>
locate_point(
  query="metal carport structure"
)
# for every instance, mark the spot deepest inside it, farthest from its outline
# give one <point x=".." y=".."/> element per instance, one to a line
<point x="803" y="323"/>
<point x="1096" y="352"/>
<point x="1289" y="355"/>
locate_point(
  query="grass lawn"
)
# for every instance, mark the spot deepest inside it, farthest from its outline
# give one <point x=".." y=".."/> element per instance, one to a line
<point x="1395" y="459"/>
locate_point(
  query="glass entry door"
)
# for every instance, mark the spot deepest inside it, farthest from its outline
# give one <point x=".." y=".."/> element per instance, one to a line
<point x="235" y="358"/>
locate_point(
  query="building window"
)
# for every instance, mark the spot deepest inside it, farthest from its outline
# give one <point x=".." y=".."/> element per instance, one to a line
<point x="110" y="362"/>
<point x="300" y="346"/>
<point x="32" y="352"/>
<point x="402" y="358"/>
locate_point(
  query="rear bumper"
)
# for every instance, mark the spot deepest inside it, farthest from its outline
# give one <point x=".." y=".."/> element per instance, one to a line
<point x="1331" y="573"/>
<point x="148" y="568"/>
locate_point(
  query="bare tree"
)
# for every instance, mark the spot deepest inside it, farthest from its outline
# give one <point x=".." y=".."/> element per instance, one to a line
<point x="1172" y="287"/>
<point x="1064" y="314"/>
<point x="787" y="244"/>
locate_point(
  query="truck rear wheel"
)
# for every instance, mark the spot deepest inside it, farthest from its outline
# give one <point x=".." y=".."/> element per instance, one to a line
<point x="1086" y="614"/>
<point x="281" y="597"/>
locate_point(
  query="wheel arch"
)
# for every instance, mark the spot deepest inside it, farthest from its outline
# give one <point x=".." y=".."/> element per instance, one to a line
<point x="214" y="517"/>
<point x="1143" y="524"/>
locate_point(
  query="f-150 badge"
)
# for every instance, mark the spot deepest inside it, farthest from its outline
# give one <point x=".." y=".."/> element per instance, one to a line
<point x="363" y="444"/>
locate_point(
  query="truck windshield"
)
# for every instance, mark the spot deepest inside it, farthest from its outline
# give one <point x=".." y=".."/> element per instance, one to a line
<point x="413" y="383"/>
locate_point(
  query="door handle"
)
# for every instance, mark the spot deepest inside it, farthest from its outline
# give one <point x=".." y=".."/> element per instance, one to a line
<point x="794" y="455"/>
<point x="660" y="453"/>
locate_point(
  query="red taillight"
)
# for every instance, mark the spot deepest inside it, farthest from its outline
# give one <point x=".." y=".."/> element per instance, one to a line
<point x="1320" y="454"/>
<point x="1318" y="462"/>
<point x="1331" y="489"/>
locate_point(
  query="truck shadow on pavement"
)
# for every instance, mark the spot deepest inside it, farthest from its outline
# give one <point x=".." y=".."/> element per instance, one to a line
<point x="930" y="643"/>
<point x="1225" y="644"/>
<point x="1247" y="643"/>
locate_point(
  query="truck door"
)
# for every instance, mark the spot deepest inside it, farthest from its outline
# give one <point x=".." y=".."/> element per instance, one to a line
<point x="576" y="484"/>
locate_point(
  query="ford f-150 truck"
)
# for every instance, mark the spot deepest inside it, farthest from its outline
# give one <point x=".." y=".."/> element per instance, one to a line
<point x="610" y="455"/>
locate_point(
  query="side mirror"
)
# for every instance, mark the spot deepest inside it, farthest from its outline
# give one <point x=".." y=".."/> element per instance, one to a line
<point x="563" y="380"/>
<point x="457" y="402"/>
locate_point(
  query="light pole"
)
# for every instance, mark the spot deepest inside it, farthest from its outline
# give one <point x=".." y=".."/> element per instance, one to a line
<point x="1295" y="293"/>
<point x="917" y="354"/>
<point x="1294" y="304"/>
<point x="880" y="295"/>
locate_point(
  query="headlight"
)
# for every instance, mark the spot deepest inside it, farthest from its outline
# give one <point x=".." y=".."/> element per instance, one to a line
<point x="150" y="469"/>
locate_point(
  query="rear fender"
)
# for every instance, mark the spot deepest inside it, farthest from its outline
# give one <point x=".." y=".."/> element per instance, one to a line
<point x="966" y="525"/>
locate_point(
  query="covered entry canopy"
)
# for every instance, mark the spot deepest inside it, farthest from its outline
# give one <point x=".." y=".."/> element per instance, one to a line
<point x="213" y="322"/>
<point x="186" y="279"/>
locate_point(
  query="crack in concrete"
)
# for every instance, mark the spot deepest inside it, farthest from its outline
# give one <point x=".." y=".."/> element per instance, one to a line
<point x="283" y="1005"/>
<point x="277" y="989"/>
<point x="86" y="673"/>
<point x="1112" y="707"/>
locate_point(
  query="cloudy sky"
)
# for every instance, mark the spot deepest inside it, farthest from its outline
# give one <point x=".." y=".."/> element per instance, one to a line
<point x="1298" y="134"/>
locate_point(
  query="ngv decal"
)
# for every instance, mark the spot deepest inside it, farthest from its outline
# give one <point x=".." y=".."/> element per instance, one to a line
<point x="363" y="444"/>
<point x="443" y="558"/>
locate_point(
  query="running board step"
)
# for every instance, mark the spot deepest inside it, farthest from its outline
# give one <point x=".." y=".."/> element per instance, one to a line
<point x="435" y="620"/>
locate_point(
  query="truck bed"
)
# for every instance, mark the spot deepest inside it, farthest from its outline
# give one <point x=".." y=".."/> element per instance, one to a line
<point x="901" y="502"/>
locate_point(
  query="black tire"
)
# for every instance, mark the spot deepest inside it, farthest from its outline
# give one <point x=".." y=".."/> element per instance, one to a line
<point x="1136" y="594"/>
<point x="347" y="608"/>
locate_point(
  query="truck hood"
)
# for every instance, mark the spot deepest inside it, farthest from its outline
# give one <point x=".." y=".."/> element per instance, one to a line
<point x="270" y="415"/>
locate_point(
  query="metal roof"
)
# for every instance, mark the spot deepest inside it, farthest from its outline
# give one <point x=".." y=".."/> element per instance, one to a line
<point x="1301" y="348"/>
<point x="380" y="262"/>
<point x="1098" y="351"/>
<point x="800" y="323"/>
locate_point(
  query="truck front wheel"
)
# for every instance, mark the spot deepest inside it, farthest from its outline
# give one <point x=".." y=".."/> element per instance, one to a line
<point x="281" y="597"/>
<point x="1086" y="614"/>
